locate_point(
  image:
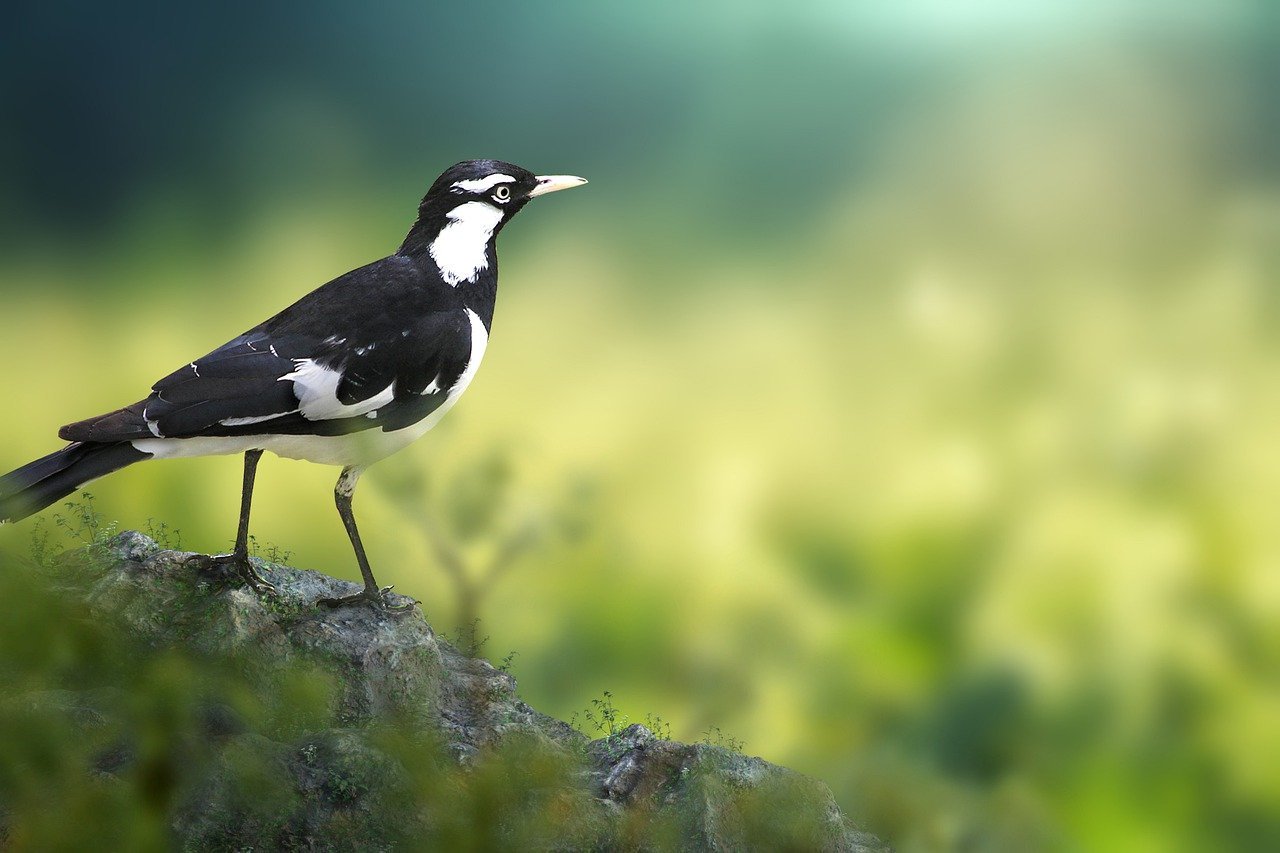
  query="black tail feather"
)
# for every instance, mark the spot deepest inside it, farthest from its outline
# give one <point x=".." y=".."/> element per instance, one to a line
<point x="38" y="484"/>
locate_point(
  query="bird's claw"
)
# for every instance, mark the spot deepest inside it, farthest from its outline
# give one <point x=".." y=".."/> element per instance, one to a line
<point x="376" y="597"/>
<point x="237" y="565"/>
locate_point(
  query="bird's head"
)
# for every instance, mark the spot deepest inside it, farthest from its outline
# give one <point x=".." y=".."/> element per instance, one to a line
<point x="476" y="198"/>
<point x="504" y="186"/>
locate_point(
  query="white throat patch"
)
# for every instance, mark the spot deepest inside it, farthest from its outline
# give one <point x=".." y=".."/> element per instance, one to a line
<point x="460" y="250"/>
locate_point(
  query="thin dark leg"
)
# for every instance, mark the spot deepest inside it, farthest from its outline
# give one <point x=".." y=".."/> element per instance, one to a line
<point x="343" y="493"/>
<point x="246" y="501"/>
<point x="241" y="554"/>
<point x="238" y="560"/>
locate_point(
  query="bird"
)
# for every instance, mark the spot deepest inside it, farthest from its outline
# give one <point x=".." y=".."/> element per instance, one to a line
<point x="349" y="374"/>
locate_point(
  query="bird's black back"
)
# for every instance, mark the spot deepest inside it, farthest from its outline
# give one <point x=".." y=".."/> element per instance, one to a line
<point x="393" y="322"/>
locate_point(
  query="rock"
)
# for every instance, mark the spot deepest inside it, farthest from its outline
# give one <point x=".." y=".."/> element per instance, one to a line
<point x="708" y="787"/>
<point x="415" y="741"/>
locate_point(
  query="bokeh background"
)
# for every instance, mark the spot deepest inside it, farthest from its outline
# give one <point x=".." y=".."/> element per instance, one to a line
<point x="900" y="399"/>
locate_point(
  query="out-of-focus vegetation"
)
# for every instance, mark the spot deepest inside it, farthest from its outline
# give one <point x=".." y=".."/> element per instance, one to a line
<point x="920" y="366"/>
<point x="147" y="718"/>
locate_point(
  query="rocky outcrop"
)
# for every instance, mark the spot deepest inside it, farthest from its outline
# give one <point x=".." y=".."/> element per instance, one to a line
<point x="414" y="741"/>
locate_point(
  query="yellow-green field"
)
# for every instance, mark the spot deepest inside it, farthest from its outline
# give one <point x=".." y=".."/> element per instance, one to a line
<point x="956" y="488"/>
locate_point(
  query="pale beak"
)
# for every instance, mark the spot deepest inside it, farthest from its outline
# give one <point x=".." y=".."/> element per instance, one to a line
<point x="555" y="183"/>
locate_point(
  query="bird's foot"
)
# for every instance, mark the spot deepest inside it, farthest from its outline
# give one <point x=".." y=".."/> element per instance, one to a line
<point x="234" y="565"/>
<point x="369" y="595"/>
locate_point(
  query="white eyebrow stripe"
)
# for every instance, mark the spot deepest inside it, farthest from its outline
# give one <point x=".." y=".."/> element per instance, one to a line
<point x="482" y="184"/>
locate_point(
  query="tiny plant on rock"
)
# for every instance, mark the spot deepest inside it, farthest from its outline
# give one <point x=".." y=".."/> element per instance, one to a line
<point x="715" y="736"/>
<point x="603" y="716"/>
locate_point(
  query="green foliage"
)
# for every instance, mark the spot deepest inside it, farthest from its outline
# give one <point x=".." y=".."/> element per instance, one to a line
<point x="660" y="727"/>
<point x="467" y="639"/>
<point x="270" y="551"/>
<point x="81" y="526"/>
<point x="779" y="813"/>
<point x="603" y="719"/>
<point x="83" y="523"/>
<point x="169" y="538"/>
<point x="714" y="736"/>
<point x="600" y="718"/>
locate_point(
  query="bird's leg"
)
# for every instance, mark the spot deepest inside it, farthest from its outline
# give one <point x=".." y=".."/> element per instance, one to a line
<point x="241" y="554"/>
<point x="343" y="493"/>
<point x="238" y="560"/>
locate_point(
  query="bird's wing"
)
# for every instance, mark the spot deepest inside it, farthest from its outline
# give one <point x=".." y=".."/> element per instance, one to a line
<point x="357" y="353"/>
<point x="281" y="378"/>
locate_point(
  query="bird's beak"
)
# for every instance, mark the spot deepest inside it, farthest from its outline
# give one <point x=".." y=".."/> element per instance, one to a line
<point x="555" y="183"/>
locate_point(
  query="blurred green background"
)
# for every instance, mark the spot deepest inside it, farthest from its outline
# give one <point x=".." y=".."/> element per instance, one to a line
<point x="901" y="397"/>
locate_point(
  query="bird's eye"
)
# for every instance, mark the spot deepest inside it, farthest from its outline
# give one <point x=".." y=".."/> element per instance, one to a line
<point x="502" y="193"/>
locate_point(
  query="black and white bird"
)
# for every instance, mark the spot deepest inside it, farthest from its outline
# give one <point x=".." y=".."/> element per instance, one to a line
<point x="349" y="374"/>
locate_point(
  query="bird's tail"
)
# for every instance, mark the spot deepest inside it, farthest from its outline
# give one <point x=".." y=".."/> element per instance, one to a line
<point x="38" y="484"/>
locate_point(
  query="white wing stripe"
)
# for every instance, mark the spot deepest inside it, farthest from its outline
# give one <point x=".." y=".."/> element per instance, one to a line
<point x="316" y="388"/>
<point x="253" y="420"/>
